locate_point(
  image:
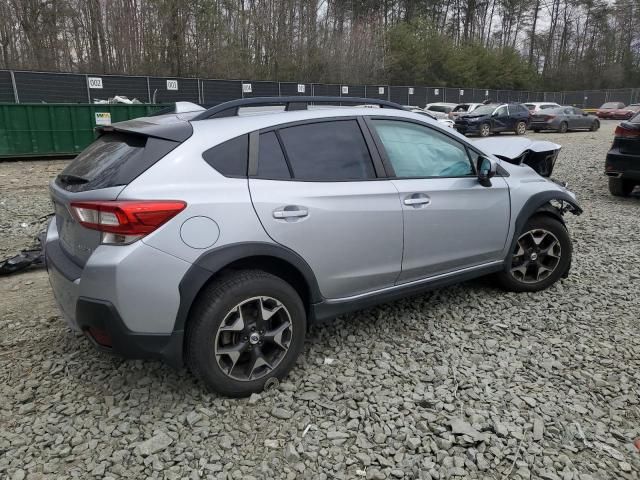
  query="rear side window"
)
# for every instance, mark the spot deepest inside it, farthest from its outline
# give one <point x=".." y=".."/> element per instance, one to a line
<point x="114" y="159"/>
<point x="271" y="161"/>
<point x="327" y="151"/>
<point x="230" y="158"/>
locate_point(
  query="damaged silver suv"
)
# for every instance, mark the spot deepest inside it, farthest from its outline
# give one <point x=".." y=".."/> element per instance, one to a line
<point x="216" y="237"/>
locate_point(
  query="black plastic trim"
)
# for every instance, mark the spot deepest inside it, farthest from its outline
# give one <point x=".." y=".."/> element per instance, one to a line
<point x="230" y="109"/>
<point x="177" y="131"/>
<point x="325" y="310"/>
<point x="101" y="314"/>
<point x="215" y="260"/>
<point x="55" y="256"/>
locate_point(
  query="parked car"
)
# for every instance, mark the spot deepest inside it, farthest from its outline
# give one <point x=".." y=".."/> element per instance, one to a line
<point x="217" y="238"/>
<point x="494" y="118"/>
<point x="607" y="109"/>
<point x="535" y="107"/>
<point x="463" y="108"/>
<point x="625" y="113"/>
<point x="445" y="121"/>
<point x="563" y="119"/>
<point x="440" y="109"/>
<point x="622" y="165"/>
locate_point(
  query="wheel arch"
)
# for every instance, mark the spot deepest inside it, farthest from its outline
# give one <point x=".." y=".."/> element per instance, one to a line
<point x="540" y="204"/>
<point x="272" y="258"/>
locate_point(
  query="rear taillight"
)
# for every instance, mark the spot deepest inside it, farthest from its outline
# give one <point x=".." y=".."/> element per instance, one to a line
<point x="549" y="117"/>
<point x="623" y="132"/>
<point x="125" y="221"/>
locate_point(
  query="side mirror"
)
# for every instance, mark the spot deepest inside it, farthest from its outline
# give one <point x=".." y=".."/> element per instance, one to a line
<point x="486" y="169"/>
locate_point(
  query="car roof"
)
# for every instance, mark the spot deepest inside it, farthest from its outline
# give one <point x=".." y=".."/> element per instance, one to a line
<point x="216" y="130"/>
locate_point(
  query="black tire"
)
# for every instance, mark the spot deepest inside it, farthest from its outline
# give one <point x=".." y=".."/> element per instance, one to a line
<point x="539" y="223"/>
<point x="521" y="128"/>
<point x="619" y="187"/>
<point x="485" y="130"/>
<point x="594" y="126"/>
<point x="536" y="130"/>
<point x="563" y="127"/>
<point x="214" y="304"/>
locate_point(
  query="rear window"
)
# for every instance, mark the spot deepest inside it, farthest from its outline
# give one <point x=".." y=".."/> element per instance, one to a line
<point x="612" y="105"/>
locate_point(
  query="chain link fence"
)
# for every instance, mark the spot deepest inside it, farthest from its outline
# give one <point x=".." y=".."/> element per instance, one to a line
<point x="48" y="87"/>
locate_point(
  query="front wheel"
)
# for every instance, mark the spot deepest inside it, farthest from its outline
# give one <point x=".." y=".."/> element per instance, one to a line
<point x="595" y="126"/>
<point x="485" y="130"/>
<point x="563" y="127"/>
<point x="521" y="128"/>
<point x="245" y="330"/>
<point x="541" y="255"/>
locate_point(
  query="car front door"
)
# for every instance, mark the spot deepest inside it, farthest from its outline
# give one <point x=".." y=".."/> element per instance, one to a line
<point x="580" y="119"/>
<point x="451" y="222"/>
<point x="501" y="120"/>
<point x="316" y="191"/>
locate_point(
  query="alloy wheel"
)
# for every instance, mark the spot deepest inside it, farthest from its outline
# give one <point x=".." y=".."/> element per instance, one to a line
<point x="253" y="338"/>
<point x="522" y="128"/>
<point x="484" y="130"/>
<point x="536" y="256"/>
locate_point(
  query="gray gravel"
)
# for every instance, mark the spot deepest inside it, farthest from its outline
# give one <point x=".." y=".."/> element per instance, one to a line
<point x="463" y="382"/>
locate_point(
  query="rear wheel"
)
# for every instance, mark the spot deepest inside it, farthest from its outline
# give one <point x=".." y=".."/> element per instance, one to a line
<point x="245" y="330"/>
<point x="620" y="187"/>
<point x="563" y="127"/>
<point x="521" y="128"/>
<point x="485" y="130"/>
<point x="595" y="126"/>
<point x="541" y="255"/>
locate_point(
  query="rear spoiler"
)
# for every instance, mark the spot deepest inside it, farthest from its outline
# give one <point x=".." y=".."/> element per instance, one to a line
<point x="177" y="130"/>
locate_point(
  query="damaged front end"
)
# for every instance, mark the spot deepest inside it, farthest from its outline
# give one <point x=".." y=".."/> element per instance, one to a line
<point x="540" y="155"/>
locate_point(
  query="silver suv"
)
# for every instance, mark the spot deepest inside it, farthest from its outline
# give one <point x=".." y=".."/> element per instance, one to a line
<point x="216" y="237"/>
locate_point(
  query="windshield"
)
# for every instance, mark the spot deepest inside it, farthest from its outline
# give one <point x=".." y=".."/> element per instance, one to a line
<point x="485" y="110"/>
<point x="440" y="108"/>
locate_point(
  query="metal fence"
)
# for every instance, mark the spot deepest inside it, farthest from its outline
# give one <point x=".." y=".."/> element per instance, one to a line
<point x="48" y="87"/>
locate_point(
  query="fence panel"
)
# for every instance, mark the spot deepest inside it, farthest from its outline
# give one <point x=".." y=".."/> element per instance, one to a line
<point x="594" y="98"/>
<point x="6" y="87"/>
<point x="624" y="95"/>
<point x="380" y="92"/>
<point x="122" y="85"/>
<point x="352" y="90"/>
<point x="434" y="94"/>
<point x="36" y="87"/>
<point x="399" y="95"/>
<point x="419" y="97"/>
<point x="260" y="89"/>
<point x="173" y="89"/>
<point x="219" y="91"/>
<point x="451" y="95"/>
<point x="288" y="89"/>
<point x="575" y="98"/>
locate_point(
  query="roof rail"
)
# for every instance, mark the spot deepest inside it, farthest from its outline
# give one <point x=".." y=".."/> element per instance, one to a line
<point x="230" y="109"/>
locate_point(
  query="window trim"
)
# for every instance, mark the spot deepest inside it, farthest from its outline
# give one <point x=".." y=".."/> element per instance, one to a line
<point x="254" y="148"/>
<point x="385" y="158"/>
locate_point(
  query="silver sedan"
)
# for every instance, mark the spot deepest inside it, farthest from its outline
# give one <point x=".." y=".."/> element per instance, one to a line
<point x="563" y="119"/>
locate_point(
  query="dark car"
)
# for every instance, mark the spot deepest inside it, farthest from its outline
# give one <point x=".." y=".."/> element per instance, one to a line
<point x="494" y="118"/>
<point x="563" y="119"/>
<point x="623" y="160"/>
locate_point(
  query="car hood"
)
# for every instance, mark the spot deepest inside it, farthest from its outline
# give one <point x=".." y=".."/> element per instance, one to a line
<point x="513" y="148"/>
<point x="471" y="116"/>
<point x="540" y="155"/>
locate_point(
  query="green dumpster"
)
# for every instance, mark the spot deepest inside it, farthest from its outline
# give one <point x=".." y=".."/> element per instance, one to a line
<point x="49" y="129"/>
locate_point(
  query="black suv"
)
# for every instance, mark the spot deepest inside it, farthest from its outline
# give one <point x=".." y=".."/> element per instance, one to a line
<point x="623" y="160"/>
<point x="494" y="118"/>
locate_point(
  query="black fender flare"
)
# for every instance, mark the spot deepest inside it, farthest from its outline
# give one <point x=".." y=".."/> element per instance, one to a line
<point x="540" y="202"/>
<point x="216" y="259"/>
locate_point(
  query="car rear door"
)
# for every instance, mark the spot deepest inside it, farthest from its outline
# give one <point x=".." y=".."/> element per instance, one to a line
<point x="451" y="222"/>
<point x="316" y="189"/>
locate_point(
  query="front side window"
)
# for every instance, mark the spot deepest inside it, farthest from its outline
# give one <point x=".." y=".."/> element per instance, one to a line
<point x="418" y="151"/>
<point x="502" y="111"/>
<point x="327" y="151"/>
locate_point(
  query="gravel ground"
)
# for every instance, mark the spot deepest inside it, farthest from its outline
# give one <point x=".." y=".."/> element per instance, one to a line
<point x="463" y="382"/>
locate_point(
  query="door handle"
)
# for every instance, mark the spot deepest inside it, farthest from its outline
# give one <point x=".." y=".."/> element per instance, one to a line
<point x="290" y="212"/>
<point x="417" y="199"/>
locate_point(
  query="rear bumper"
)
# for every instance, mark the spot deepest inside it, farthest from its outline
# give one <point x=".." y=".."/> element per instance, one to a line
<point x="541" y="126"/>
<point x="125" y="299"/>
<point x="622" y="165"/>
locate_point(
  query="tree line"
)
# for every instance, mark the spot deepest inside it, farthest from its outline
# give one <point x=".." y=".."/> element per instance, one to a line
<point x="509" y="44"/>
